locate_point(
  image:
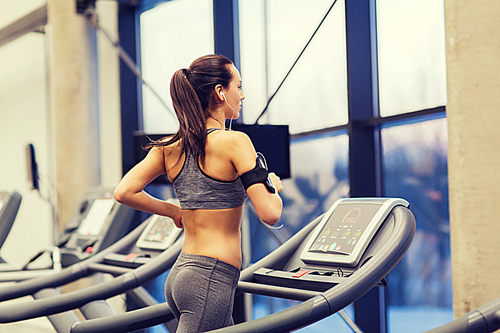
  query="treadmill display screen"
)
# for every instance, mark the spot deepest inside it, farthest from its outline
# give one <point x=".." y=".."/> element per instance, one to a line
<point x="96" y="217"/>
<point x="344" y="228"/>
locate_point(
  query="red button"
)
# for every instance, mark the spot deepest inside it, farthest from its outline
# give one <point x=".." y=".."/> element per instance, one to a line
<point x="300" y="273"/>
<point x="131" y="256"/>
<point x="89" y="249"/>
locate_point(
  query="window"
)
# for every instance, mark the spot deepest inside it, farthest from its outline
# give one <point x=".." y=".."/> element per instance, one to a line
<point x="415" y="168"/>
<point x="411" y="55"/>
<point x="272" y="35"/>
<point x="164" y="50"/>
<point x="313" y="188"/>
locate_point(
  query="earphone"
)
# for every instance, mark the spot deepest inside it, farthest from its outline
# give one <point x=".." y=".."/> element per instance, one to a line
<point x="224" y="97"/>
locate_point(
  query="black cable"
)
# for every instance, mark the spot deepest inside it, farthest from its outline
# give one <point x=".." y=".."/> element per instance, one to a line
<point x="300" y="55"/>
<point x="92" y="18"/>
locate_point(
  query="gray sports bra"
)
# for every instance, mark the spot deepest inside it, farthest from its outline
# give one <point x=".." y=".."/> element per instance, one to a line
<point x="197" y="190"/>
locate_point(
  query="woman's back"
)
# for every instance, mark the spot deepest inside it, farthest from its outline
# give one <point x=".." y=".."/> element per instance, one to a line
<point x="211" y="228"/>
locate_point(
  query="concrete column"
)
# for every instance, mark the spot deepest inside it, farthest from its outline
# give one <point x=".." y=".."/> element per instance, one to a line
<point x="73" y="93"/>
<point x="109" y="90"/>
<point x="473" y="111"/>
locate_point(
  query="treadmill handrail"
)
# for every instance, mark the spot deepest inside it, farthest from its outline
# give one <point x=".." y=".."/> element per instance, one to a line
<point x="68" y="274"/>
<point x="126" y="322"/>
<point x="110" y="269"/>
<point x="10" y="209"/>
<point x="484" y="319"/>
<point x="75" y="299"/>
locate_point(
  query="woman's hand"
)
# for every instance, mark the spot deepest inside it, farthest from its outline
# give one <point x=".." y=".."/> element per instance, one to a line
<point x="178" y="221"/>
<point x="276" y="182"/>
<point x="173" y="210"/>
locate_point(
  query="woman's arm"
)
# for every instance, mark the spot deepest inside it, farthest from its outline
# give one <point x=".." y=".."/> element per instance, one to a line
<point x="268" y="205"/>
<point x="130" y="190"/>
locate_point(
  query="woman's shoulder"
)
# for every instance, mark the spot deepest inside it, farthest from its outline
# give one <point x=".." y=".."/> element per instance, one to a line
<point x="167" y="149"/>
<point x="231" y="145"/>
<point x="233" y="139"/>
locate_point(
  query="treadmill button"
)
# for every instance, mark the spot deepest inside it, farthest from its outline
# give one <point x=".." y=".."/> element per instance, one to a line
<point x="131" y="256"/>
<point x="89" y="249"/>
<point x="300" y="273"/>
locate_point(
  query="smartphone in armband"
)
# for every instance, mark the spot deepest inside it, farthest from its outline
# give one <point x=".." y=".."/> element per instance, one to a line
<point x="259" y="174"/>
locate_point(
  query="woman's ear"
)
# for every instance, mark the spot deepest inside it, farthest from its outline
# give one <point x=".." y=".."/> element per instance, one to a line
<point x="220" y="93"/>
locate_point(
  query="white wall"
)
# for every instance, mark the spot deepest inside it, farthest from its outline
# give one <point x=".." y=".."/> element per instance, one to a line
<point x="24" y="118"/>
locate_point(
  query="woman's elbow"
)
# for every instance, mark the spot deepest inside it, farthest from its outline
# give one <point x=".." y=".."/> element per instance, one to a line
<point x="271" y="218"/>
<point x="120" y="195"/>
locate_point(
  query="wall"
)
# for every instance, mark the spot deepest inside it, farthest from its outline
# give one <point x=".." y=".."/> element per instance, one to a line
<point x="25" y="118"/>
<point x="473" y="68"/>
<point x="32" y="85"/>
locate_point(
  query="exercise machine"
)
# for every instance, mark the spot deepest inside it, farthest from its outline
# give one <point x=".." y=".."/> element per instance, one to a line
<point x="146" y="252"/>
<point x="97" y="222"/>
<point x="327" y="265"/>
<point x="9" y="206"/>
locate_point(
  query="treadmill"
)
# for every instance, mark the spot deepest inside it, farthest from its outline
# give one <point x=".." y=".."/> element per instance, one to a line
<point x="142" y="255"/>
<point x="327" y="265"/>
<point x="9" y="206"/>
<point x="324" y="277"/>
<point x="97" y="222"/>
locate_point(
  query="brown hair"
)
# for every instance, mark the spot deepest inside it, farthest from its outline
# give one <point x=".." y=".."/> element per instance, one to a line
<point x="193" y="92"/>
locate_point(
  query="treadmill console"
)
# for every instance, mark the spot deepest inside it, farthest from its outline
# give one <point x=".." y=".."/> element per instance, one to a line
<point x="345" y="231"/>
<point x="92" y="224"/>
<point x="96" y="223"/>
<point x="346" y="236"/>
<point x="159" y="234"/>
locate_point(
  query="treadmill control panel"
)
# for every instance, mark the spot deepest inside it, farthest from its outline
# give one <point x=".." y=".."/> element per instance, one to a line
<point x="97" y="222"/>
<point x="345" y="231"/>
<point x="159" y="234"/>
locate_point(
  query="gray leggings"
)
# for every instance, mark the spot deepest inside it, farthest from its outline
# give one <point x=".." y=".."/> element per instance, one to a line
<point x="200" y="292"/>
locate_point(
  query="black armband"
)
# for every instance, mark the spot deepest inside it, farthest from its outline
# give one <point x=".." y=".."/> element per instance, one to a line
<point x="259" y="174"/>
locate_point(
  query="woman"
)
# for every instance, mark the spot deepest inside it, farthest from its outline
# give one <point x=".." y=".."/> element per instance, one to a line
<point x="213" y="171"/>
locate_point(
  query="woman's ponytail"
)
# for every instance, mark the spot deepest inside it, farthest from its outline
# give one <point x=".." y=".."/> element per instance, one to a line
<point x="191" y="116"/>
<point x="193" y="94"/>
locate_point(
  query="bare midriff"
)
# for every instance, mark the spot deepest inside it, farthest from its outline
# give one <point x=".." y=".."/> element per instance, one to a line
<point x="213" y="233"/>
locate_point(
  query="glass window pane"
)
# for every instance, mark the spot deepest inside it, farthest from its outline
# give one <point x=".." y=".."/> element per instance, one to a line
<point x="411" y="55"/>
<point x="313" y="188"/>
<point x="164" y="50"/>
<point x="272" y="35"/>
<point x="415" y="168"/>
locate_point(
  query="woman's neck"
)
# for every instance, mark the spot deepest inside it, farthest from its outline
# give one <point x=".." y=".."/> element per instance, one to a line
<point x="217" y="120"/>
